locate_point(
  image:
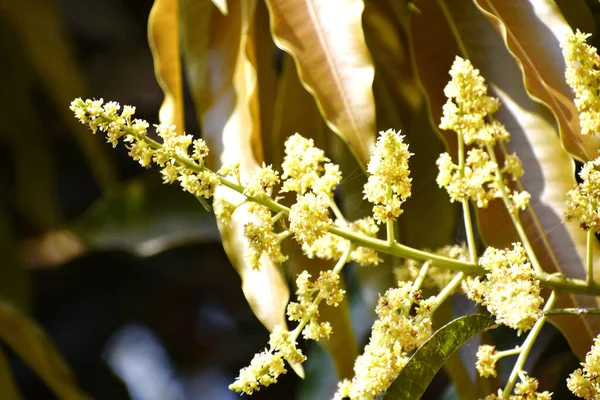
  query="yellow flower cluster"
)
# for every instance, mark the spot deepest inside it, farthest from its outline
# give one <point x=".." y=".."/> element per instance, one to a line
<point x="306" y="310"/>
<point x="469" y="105"/>
<point x="389" y="184"/>
<point x="526" y="389"/>
<point x="583" y="203"/>
<point x="510" y="291"/>
<point x="486" y="360"/>
<point x="265" y="367"/>
<point x="173" y="155"/>
<point x="583" y="76"/>
<point x="585" y="382"/>
<point x="261" y="237"/>
<point x="469" y="112"/>
<point x="305" y="168"/>
<point x="394" y="335"/>
<point x="309" y="217"/>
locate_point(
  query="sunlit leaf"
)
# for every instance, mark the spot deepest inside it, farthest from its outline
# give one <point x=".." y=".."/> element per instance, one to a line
<point x="8" y="387"/>
<point x="429" y="358"/>
<point x="327" y="43"/>
<point x="38" y="27"/>
<point x="532" y="32"/>
<point x="231" y="126"/>
<point x="163" y="37"/>
<point x="30" y="343"/>
<point x="549" y="171"/>
<point x="221" y="5"/>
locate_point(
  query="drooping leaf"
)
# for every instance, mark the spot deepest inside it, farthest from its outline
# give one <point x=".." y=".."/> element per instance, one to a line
<point x="327" y="42"/>
<point x="296" y="111"/>
<point x="231" y="127"/>
<point x="163" y="38"/>
<point x="38" y="352"/>
<point x="38" y="26"/>
<point x="429" y="358"/>
<point x="532" y="32"/>
<point x="548" y="168"/>
<point x="8" y="386"/>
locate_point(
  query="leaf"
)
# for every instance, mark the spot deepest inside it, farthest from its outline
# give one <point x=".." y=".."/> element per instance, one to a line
<point x="221" y="5"/>
<point x="429" y="358"/>
<point x="548" y="168"/>
<point x="327" y="43"/>
<point x="38" y="27"/>
<point x="36" y="349"/>
<point x="532" y="32"/>
<point x="163" y="37"/>
<point x="8" y="387"/>
<point x="231" y="127"/>
<point x="297" y="111"/>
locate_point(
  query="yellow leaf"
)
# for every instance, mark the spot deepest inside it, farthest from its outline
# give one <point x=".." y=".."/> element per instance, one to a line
<point x="38" y="352"/>
<point x="532" y="31"/>
<point x="221" y="5"/>
<point x="326" y="40"/>
<point x="163" y="37"/>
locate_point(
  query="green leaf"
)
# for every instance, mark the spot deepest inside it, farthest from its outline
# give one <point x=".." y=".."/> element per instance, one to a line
<point x="163" y="37"/>
<point x="327" y="43"/>
<point x="38" y="352"/>
<point x="532" y="32"/>
<point x="40" y="33"/>
<point x="549" y="170"/>
<point x="429" y="358"/>
<point x="8" y="387"/>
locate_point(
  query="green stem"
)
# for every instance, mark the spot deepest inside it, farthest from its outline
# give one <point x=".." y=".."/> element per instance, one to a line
<point x="506" y="353"/>
<point x="513" y="215"/>
<point x="336" y="270"/>
<point x="526" y="348"/>
<point x="336" y="210"/>
<point x="573" y="311"/>
<point x="591" y="239"/>
<point x="553" y="281"/>
<point x="448" y="290"/>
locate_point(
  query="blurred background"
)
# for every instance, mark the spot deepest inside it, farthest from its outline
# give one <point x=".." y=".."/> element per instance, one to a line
<point x="126" y="276"/>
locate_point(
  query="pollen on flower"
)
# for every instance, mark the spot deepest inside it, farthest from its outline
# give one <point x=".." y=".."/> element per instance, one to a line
<point x="309" y="217"/>
<point x="583" y="382"/>
<point x="486" y="361"/>
<point x="389" y="184"/>
<point x="468" y="106"/>
<point x="305" y="168"/>
<point x="510" y="291"/>
<point x="582" y="202"/>
<point x="583" y="64"/>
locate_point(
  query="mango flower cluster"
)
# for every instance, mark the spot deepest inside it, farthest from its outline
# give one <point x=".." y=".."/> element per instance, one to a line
<point x="526" y="389"/>
<point x="394" y="335"/>
<point x="510" y="290"/>
<point x="583" y="76"/>
<point x="583" y="203"/>
<point x="584" y="382"/>
<point x="389" y="184"/>
<point x="268" y="365"/>
<point x="180" y="156"/>
<point x="469" y="112"/>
